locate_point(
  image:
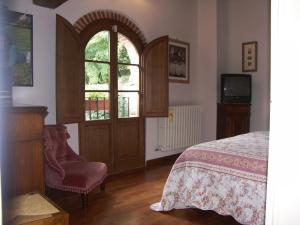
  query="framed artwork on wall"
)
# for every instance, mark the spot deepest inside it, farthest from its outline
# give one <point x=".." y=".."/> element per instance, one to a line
<point x="179" y="61"/>
<point x="249" y="56"/>
<point x="20" y="48"/>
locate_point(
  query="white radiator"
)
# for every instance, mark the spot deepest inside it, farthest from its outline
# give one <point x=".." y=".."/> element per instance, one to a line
<point x="181" y="129"/>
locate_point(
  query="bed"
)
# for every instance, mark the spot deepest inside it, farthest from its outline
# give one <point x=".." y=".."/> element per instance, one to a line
<point x="227" y="176"/>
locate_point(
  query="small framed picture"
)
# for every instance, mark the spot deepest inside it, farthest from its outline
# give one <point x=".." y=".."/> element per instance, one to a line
<point x="20" y="48"/>
<point x="249" y="56"/>
<point x="179" y="61"/>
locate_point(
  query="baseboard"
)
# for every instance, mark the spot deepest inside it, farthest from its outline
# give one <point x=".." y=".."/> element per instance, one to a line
<point x="162" y="160"/>
<point x="167" y="160"/>
<point x="115" y="176"/>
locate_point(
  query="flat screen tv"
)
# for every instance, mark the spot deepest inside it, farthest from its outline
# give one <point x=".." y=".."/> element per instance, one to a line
<point x="236" y="88"/>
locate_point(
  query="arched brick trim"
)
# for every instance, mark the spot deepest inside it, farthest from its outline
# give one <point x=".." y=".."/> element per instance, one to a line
<point x="87" y="19"/>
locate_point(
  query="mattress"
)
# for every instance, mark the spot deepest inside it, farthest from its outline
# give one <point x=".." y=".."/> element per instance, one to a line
<point x="228" y="176"/>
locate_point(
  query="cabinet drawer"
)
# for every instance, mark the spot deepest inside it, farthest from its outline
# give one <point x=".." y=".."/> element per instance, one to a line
<point x="26" y="126"/>
<point x="236" y="109"/>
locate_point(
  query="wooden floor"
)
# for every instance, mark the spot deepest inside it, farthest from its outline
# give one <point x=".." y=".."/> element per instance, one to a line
<point x="126" y="201"/>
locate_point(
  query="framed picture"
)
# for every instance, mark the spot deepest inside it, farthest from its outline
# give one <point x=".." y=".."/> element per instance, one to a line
<point x="249" y="51"/>
<point x="179" y="61"/>
<point x="20" y="48"/>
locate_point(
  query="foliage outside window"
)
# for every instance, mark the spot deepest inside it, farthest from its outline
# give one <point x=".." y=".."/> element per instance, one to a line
<point x="97" y="78"/>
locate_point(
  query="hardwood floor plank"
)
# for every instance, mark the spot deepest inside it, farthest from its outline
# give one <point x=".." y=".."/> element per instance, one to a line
<point x="127" y="199"/>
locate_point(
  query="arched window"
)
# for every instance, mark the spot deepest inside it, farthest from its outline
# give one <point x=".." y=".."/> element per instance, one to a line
<point x="112" y="67"/>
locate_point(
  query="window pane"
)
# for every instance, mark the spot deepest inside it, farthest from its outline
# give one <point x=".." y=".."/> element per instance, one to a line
<point x="98" y="47"/>
<point x="97" y="106"/>
<point x="96" y="76"/>
<point x="128" y="78"/>
<point x="127" y="52"/>
<point x="128" y="104"/>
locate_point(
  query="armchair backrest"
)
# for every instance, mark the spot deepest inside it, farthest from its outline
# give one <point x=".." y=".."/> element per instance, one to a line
<point x="56" y="141"/>
<point x="56" y="146"/>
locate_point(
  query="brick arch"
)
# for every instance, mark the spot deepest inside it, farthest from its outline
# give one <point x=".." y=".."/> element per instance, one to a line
<point x="87" y="19"/>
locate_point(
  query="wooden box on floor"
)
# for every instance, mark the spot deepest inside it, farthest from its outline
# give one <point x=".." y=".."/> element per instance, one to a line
<point x="35" y="209"/>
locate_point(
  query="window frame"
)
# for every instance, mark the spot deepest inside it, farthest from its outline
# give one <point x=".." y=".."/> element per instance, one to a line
<point x="109" y="25"/>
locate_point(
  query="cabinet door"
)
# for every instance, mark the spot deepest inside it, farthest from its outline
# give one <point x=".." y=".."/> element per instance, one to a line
<point x="27" y="158"/>
<point x="229" y="128"/>
<point x="233" y="119"/>
<point x="235" y="125"/>
<point x="69" y="73"/>
<point x="241" y="124"/>
<point x="155" y="78"/>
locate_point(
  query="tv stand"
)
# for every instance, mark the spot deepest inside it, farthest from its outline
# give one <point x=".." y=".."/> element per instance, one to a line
<point x="233" y="119"/>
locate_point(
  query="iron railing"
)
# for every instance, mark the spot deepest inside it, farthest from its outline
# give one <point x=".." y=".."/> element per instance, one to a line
<point x="98" y="108"/>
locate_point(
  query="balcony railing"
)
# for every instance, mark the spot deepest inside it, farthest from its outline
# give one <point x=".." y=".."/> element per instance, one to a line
<point x="96" y="108"/>
<point x="123" y="106"/>
<point x="99" y="108"/>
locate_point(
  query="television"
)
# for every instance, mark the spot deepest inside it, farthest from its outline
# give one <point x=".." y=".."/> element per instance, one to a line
<point x="236" y="88"/>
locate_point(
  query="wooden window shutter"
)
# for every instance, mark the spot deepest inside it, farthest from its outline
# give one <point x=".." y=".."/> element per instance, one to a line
<point x="69" y="73"/>
<point x="155" y="70"/>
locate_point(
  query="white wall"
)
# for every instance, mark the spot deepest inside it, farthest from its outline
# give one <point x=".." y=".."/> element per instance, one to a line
<point x="244" y="21"/>
<point x="43" y="91"/>
<point x="207" y="66"/>
<point x="184" y="20"/>
<point x="283" y="196"/>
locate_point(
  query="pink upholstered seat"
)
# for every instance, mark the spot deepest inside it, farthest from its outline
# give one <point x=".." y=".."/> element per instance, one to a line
<point x="64" y="169"/>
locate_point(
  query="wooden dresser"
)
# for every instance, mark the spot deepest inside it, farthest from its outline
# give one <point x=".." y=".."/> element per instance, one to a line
<point x="232" y="119"/>
<point x="23" y="161"/>
<point x="23" y="169"/>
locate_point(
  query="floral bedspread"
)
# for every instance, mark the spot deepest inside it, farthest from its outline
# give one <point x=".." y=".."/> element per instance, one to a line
<point x="227" y="176"/>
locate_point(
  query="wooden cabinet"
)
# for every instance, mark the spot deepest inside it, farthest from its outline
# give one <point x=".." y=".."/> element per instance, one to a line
<point x="232" y="119"/>
<point x="23" y="169"/>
